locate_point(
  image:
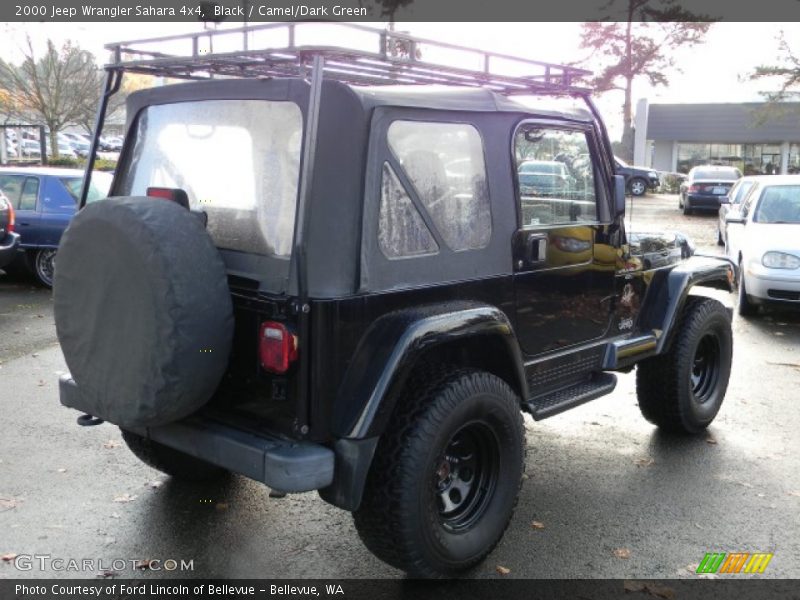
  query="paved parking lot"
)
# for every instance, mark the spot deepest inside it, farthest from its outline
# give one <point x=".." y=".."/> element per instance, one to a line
<point x="610" y="495"/>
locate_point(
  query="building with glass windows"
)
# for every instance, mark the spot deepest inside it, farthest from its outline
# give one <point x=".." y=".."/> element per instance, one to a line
<point x="750" y="136"/>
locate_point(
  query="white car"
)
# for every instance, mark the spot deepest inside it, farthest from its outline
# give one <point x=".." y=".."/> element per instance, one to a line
<point x="764" y="239"/>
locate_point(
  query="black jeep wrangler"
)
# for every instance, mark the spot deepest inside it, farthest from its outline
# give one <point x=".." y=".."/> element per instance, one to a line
<point x="323" y="283"/>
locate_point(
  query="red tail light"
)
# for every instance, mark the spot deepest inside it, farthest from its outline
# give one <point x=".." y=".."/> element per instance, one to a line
<point x="11" y="218"/>
<point x="277" y="347"/>
<point x="693" y="189"/>
<point x="176" y="195"/>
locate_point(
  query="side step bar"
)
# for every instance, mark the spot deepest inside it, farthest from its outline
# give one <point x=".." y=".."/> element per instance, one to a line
<point x="285" y="465"/>
<point x="553" y="403"/>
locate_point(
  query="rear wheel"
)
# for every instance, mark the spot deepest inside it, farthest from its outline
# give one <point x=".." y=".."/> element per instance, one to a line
<point x="44" y="266"/>
<point x="445" y="478"/>
<point x="172" y="462"/>
<point x="683" y="389"/>
<point x="686" y="208"/>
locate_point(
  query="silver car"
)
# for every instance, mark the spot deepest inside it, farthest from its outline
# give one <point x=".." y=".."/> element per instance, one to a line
<point x="764" y="239"/>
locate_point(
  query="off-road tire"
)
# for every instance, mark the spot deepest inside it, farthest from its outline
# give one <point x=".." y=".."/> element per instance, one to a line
<point x="682" y="390"/>
<point x="745" y="308"/>
<point x="170" y="461"/>
<point x="402" y="518"/>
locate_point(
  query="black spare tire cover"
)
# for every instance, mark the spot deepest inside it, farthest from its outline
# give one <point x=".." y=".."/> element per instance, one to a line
<point x="142" y="311"/>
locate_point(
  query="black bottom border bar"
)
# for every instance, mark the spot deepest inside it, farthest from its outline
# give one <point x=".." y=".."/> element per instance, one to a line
<point x="347" y="589"/>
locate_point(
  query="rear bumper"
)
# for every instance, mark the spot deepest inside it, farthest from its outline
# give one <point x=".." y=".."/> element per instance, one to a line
<point x="286" y="465"/>
<point x="703" y="202"/>
<point x="8" y="249"/>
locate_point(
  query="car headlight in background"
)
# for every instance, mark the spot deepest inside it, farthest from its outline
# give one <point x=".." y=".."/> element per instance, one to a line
<point x="780" y="260"/>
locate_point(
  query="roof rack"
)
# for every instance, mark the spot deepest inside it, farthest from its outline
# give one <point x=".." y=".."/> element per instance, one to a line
<point x="383" y="57"/>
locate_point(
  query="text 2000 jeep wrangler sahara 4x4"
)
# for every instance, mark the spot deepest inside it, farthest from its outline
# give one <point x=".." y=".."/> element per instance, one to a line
<point x="324" y="283"/>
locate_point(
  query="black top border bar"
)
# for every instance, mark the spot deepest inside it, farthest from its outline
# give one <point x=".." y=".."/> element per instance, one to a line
<point x="253" y="11"/>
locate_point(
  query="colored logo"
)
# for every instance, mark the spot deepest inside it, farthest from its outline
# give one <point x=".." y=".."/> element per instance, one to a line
<point x="734" y="562"/>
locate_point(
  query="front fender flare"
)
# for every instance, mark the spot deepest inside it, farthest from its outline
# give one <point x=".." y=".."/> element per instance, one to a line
<point x="668" y="290"/>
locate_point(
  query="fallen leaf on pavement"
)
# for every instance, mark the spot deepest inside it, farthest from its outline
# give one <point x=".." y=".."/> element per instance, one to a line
<point x="653" y="589"/>
<point x="115" y="515"/>
<point x="502" y="570"/>
<point x="644" y="462"/>
<point x="711" y="441"/>
<point x="537" y="525"/>
<point x="35" y="355"/>
<point x="794" y="493"/>
<point x="125" y="498"/>
<point x="111" y="444"/>
<point x="154" y="485"/>
<point x="62" y="470"/>
<point x="8" y="557"/>
<point x="622" y="553"/>
<point x="107" y="574"/>
<point x="8" y="503"/>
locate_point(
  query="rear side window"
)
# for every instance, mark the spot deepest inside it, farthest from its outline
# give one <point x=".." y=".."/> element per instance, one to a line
<point x="444" y="163"/>
<point x="402" y="231"/>
<point x="11" y="185"/>
<point x="238" y="160"/>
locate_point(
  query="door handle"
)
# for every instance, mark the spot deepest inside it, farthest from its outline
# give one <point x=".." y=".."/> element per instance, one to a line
<point x="536" y="248"/>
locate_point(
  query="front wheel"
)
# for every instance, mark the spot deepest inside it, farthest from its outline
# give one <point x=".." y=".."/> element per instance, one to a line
<point x="683" y="389"/>
<point x="444" y="482"/>
<point x="745" y="308"/>
<point x="637" y="187"/>
<point x="44" y="266"/>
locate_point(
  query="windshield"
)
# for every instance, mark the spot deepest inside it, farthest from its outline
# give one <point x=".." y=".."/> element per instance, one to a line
<point x="237" y="160"/>
<point x="98" y="187"/>
<point x="779" y="204"/>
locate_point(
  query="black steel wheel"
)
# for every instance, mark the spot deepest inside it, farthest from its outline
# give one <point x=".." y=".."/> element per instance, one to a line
<point x="683" y="389"/>
<point x="446" y="474"/>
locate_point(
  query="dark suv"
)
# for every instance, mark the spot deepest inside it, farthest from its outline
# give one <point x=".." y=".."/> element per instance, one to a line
<point x="326" y="285"/>
<point x="637" y="179"/>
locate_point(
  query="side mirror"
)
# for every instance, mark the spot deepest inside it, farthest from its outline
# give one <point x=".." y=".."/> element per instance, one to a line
<point x="734" y="218"/>
<point x="724" y="199"/>
<point x="619" y="196"/>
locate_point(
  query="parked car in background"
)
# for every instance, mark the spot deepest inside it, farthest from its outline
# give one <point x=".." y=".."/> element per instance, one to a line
<point x="732" y="203"/>
<point x="764" y="238"/>
<point x="704" y="187"/>
<point x="8" y="238"/>
<point x="637" y="179"/>
<point x="44" y="200"/>
<point x="540" y="177"/>
<point x="30" y="148"/>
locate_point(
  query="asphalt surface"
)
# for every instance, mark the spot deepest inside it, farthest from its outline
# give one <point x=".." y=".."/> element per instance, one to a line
<point x="611" y="496"/>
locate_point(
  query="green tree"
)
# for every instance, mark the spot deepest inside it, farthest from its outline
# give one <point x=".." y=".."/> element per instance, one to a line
<point x="787" y="72"/>
<point x="52" y="88"/>
<point x="638" y="45"/>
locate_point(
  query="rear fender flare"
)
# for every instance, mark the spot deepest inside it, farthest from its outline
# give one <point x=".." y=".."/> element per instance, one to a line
<point x="392" y="346"/>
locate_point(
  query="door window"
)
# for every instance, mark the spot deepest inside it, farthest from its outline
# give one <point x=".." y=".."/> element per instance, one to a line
<point x="30" y="192"/>
<point x="555" y="176"/>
